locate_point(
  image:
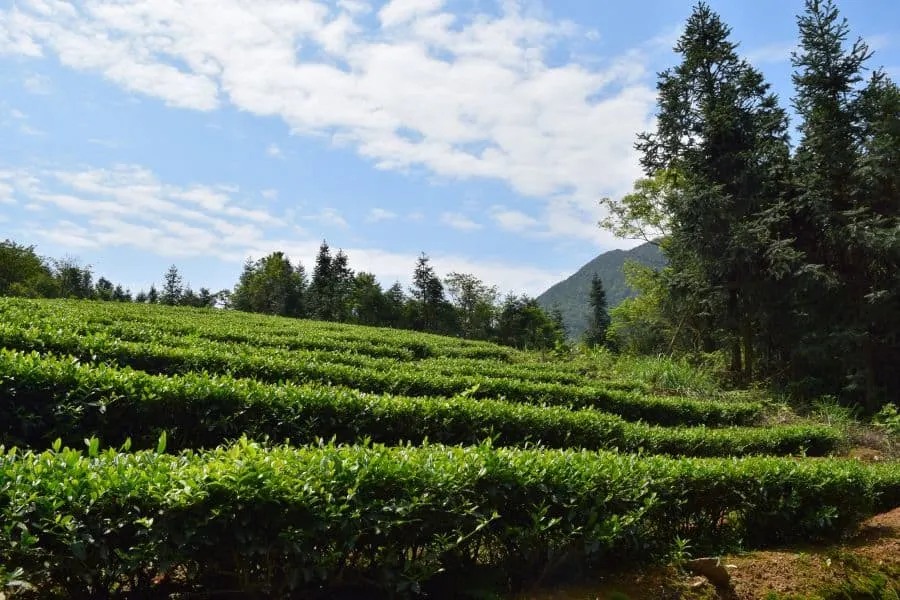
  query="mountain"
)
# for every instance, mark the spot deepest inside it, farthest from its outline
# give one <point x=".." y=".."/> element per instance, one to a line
<point x="572" y="294"/>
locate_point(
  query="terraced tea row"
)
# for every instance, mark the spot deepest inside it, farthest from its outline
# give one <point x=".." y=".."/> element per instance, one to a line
<point x="283" y="521"/>
<point x="322" y="349"/>
<point x="400" y="378"/>
<point x="253" y="328"/>
<point x="51" y="398"/>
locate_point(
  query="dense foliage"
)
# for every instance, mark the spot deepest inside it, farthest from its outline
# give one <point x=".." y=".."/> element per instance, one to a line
<point x="57" y="398"/>
<point x="171" y="355"/>
<point x="787" y="258"/>
<point x="273" y="285"/>
<point x="321" y="520"/>
<point x="200" y="499"/>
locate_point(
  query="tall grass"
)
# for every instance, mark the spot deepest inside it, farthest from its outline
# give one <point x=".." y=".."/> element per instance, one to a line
<point x="663" y="374"/>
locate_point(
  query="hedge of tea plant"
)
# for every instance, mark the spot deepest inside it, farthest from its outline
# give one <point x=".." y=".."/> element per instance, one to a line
<point x="399" y="378"/>
<point x="251" y="328"/>
<point x="317" y="521"/>
<point x="49" y="397"/>
<point x="146" y="324"/>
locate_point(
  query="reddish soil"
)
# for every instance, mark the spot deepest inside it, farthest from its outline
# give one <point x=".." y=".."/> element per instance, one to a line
<point x="812" y="572"/>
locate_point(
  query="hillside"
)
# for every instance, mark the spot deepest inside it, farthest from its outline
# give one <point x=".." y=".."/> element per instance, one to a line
<point x="571" y="294"/>
<point x="172" y="452"/>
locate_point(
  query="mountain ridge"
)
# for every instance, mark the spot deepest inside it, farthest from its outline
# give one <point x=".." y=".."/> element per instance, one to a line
<point x="571" y="295"/>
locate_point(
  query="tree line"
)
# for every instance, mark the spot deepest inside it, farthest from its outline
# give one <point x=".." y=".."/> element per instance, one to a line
<point x="786" y="257"/>
<point x="460" y="304"/>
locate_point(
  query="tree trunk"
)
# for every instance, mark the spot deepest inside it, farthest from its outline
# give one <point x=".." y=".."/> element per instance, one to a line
<point x="735" y="342"/>
<point x="747" y="335"/>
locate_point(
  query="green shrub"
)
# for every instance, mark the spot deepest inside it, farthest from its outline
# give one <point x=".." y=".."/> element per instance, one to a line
<point x="280" y="521"/>
<point x="49" y="398"/>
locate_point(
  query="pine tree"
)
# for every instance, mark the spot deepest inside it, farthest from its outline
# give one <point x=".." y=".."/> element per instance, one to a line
<point x="843" y="220"/>
<point x="121" y="294"/>
<point x="321" y="288"/>
<point x="721" y="129"/>
<point x="341" y="287"/>
<point x="430" y="309"/>
<point x="173" y="287"/>
<point x="599" y="324"/>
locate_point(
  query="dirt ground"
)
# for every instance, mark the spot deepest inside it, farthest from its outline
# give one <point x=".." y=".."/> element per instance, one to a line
<point x="865" y="566"/>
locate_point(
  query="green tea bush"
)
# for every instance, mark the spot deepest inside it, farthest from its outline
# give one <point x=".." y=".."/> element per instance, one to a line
<point x="317" y="521"/>
<point x="401" y="378"/>
<point x="48" y="398"/>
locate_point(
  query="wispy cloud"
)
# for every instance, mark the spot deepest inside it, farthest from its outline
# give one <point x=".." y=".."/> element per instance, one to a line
<point x="274" y="151"/>
<point x="111" y="144"/>
<point x="462" y="96"/>
<point x="330" y="217"/>
<point x="772" y="53"/>
<point x="513" y="220"/>
<point x="377" y="215"/>
<point x="459" y="221"/>
<point x="38" y="84"/>
<point x="128" y="206"/>
<point x="27" y="129"/>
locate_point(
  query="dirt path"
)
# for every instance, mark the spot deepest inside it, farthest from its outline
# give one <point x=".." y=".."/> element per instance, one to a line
<point x="866" y="566"/>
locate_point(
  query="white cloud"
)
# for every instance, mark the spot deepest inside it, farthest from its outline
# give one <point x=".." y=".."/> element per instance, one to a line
<point x="29" y="130"/>
<point x="111" y="144"/>
<point x="461" y="95"/>
<point x="37" y="84"/>
<point x="880" y="41"/>
<point x="270" y="194"/>
<point x="459" y="221"/>
<point x="6" y="191"/>
<point x="772" y="53"/>
<point x="398" y="12"/>
<point x="513" y="220"/>
<point x="17" y="114"/>
<point x="128" y="206"/>
<point x="379" y="214"/>
<point x="330" y="217"/>
<point x="274" y="151"/>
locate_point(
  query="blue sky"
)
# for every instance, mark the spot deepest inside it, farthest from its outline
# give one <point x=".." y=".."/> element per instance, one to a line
<point x="141" y="133"/>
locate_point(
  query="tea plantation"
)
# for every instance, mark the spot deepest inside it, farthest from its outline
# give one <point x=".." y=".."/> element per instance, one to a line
<point x="173" y="452"/>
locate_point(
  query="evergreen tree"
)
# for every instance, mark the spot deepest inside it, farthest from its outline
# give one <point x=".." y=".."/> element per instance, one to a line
<point x="596" y="333"/>
<point x="121" y="294"/>
<point x="843" y="219"/>
<point x="342" y="287"/>
<point x="522" y="323"/>
<point x="173" y="287"/>
<point x="395" y="307"/>
<point x="205" y="298"/>
<point x="429" y="308"/>
<point x="321" y="289"/>
<point x="141" y="297"/>
<point x="152" y="295"/>
<point x="721" y="129"/>
<point x="368" y="305"/>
